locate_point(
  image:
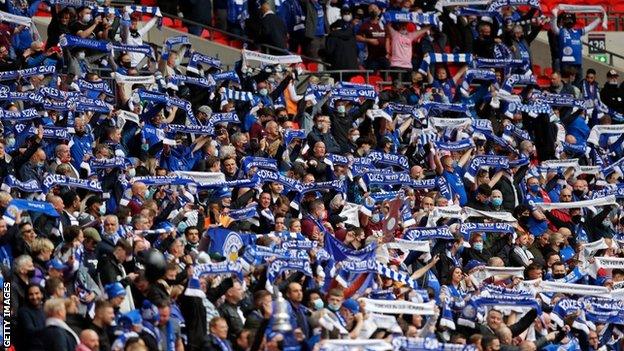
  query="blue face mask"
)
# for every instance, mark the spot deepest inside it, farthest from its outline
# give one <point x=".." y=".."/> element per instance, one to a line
<point x="478" y="246"/>
<point x="376" y="217"/>
<point x="534" y="188"/>
<point x="318" y="304"/>
<point x="497" y="201"/>
<point x="333" y="308"/>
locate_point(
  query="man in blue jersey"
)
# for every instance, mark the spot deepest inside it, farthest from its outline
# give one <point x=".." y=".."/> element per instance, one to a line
<point x="569" y="38"/>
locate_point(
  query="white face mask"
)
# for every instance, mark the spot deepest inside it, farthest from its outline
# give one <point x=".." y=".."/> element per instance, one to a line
<point x="81" y="55"/>
<point x="341" y="109"/>
<point x="86" y="18"/>
<point x="131" y="172"/>
<point x="354" y="138"/>
<point x="347" y="18"/>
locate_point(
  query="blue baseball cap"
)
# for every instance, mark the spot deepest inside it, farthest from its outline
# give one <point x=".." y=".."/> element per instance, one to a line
<point x="56" y="264"/>
<point x="114" y="290"/>
<point x="351" y="305"/>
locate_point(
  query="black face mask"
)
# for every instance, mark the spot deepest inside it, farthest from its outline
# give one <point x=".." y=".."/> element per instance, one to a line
<point x="561" y="245"/>
<point x="126" y="65"/>
<point x="80" y="132"/>
<point x="578" y="193"/>
<point x="523" y="219"/>
<point x="558" y="275"/>
<point x="577" y="219"/>
<point x="30" y="274"/>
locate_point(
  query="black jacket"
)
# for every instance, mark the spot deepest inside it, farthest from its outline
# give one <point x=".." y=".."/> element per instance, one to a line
<point x="194" y="314"/>
<point x="273" y="32"/>
<point x="29" y="322"/>
<point x="235" y="323"/>
<point x="55" y="339"/>
<point x="110" y="271"/>
<point x="613" y="96"/>
<point x="212" y="344"/>
<point x="341" y="47"/>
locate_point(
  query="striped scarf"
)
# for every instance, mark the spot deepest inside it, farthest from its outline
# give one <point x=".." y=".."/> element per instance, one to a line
<point x="430" y="59"/>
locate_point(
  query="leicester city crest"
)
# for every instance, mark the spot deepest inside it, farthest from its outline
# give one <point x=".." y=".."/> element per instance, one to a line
<point x="232" y="244"/>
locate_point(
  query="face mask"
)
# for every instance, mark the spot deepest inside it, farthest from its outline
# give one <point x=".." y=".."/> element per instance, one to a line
<point x="376" y="217"/>
<point x="606" y="223"/>
<point x="558" y="275"/>
<point x="319" y="125"/>
<point x="460" y="250"/>
<point x="347" y="18"/>
<point x="341" y="109"/>
<point x="264" y="91"/>
<point x="577" y="219"/>
<point x="354" y="138"/>
<point x="126" y="64"/>
<point x="146" y="193"/>
<point x="10" y="142"/>
<point x="478" y="246"/>
<point x="534" y="188"/>
<point x="103" y="210"/>
<point x="81" y="55"/>
<point x="318" y="304"/>
<point x="497" y="201"/>
<point x="86" y="18"/>
<point x="129" y="220"/>
<point x="30" y="274"/>
<point x="40" y="164"/>
<point x="333" y="308"/>
<point x="132" y="172"/>
<point x="519" y="125"/>
<point x="578" y="193"/>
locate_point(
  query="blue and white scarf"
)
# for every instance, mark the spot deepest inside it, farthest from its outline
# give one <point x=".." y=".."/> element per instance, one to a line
<point x="432" y="59"/>
<point x="246" y="96"/>
<point x="389" y="159"/>
<point x="414" y="234"/>
<point x="292" y="134"/>
<point x="421" y="19"/>
<point x="497" y="5"/>
<point x="226" y="117"/>
<point x="21" y="116"/>
<point x="10" y="182"/>
<point x="260" y="162"/>
<point x="516" y="79"/>
<point x="73" y="3"/>
<point x="462" y="145"/>
<point x="472" y="74"/>
<point x="279" y="266"/>
<point x="220" y="268"/>
<point x="189" y="129"/>
<point x="230" y="76"/>
<point x="468" y="228"/>
<point x="27" y="72"/>
<point x="106" y="163"/>
<point x="73" y="41"/>
<point x="265" y="175"/>
<point x="56" y="179"/>
<point x="48" y="132"/>
<point x="511" y="131"/>
<point x="198" y="58"/>
<point x="102" y="86"/>
<point x="499" y="162"/>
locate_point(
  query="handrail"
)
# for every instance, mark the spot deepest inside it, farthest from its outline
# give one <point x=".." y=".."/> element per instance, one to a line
<point x="611" y="54"/>
<point x="212" y="29"/>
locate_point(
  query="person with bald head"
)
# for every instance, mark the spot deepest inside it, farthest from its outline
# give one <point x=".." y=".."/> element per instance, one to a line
<point x="35" y="168"/>
<point x="89" y="341"/>
<point x="139" y="195"/>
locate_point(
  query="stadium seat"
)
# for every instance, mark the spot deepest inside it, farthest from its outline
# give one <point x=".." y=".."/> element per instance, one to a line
<point x="543" y="81"/>
<point x="358" y="79"/>
<point x="548" y="71"/>
<point x="374" y="79"/>
<point x="537" y="70"/>
<point x="312" y="66"/>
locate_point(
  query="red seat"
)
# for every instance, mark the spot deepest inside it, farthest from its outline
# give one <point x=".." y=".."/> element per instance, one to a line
<point x="374" y="79"/>
<point x="237" y="44"/>
<point x="548" y="71"/>
<point x="167" y="22"/>
<point x="149" y="3"/>
<point x="358" y="79"/>
<point x="537" y="70"/>
<point x="222" y="41"/>
<point x="543" y="82"/>
<point x="312" y="66"/>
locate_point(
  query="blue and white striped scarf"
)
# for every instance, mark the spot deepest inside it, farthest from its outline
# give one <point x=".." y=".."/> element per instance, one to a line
<point x="260" y="162"/>
<point x="175" y="80"/>
<point x="152" y="10"/>
<point x="58" y="133"/>
<point x="414" y="234"/>
<point x="499" y="63"/>
<point x="389" y="159"/>
<point x="497" y="5"/>
<point x="246" y="96"/>
<point x="199" y="58"/>
<point x="421" y="19"/>
<point x="511" y="131"/>
<point x="190" y="129"/>
<point x="430" y="59"/>
<point x="73" y="3"/>
<point x="230" y="76"/>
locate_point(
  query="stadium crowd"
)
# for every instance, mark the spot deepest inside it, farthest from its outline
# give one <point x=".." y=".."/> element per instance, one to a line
<point x="154" y="199"/>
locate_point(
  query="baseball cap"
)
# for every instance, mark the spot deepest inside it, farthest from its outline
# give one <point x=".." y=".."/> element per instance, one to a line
<point x="613" y="73"/>
<point x="114" y="290"/>
<point x="56" y="264"/>
<point x="351" y="305"/>
<point x="92" y="233"/>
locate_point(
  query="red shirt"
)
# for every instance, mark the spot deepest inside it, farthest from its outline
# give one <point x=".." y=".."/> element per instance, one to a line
<point x="371" y="30"/>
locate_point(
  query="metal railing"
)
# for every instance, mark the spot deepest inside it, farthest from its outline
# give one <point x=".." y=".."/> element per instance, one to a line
<point x="610" y="54"/>
<point x="246" y="41"/>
